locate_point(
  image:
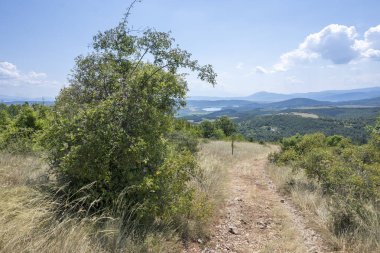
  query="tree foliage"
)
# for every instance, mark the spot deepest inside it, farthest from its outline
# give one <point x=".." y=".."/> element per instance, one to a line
<point x="226" y="125"/>
<point x="111" y="124"/>
<point x="275" y="127"/>
<point x="221" y="128"/>
<point x="20" y="126"/>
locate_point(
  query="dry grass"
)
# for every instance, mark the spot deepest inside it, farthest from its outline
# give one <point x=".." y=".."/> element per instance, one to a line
<point x="288" y="238"/>
<point x="215" y="158"/>
<point x="28" y="220"/>
<point x="16" y="170"/>
<point x="28" y="216"/>
<point x="210" y="186"/>
<point x="308" y="197"/>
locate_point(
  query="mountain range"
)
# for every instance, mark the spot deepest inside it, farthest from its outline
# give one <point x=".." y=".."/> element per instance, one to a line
<point x="17" y="100"/>
<point x="329" y="95"/>
<point x="255" y="100"/>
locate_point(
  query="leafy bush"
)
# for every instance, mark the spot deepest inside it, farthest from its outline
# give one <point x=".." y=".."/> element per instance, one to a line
<point x="348" y="173"/>
<point x="19" y="130"/>
<point x="183" y="140"/>
<point x="112" y="139"/>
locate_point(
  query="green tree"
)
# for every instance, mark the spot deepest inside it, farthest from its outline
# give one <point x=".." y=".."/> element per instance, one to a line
<point x="110" y="123"/>
<point x="4" y="119"/>
<point x="207" y="129"/>
<point x="26" y="118"/>
<point x="375" y="134"/>
<point x="19" y="133"/>
<point x="226" y="124"/>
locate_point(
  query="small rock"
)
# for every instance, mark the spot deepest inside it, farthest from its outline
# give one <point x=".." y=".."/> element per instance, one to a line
<point x="233" y="230"/>
<point x="282" y="201"/>
<point x="261" y="225"/>
<point x="243" y="221"/>
<point x="200" y="241"/>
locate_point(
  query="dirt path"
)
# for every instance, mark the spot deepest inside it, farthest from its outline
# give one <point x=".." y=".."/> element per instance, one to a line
<point x="256" y="218"/>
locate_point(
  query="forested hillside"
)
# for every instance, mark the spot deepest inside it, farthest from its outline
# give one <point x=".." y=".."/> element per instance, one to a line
<point x="275" y="127"/>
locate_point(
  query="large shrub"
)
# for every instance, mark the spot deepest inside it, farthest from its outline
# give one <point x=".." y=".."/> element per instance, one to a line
<point x="108" y="141"/>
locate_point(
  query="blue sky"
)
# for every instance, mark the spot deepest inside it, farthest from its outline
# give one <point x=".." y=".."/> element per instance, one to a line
<point x="273" y="45"/>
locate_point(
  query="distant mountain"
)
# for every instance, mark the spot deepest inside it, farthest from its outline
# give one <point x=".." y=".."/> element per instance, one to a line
<point x="20" y="100"/>
<point x="264" y="96"/>
<point x="5" y="98"/>
<point x="330" y="95"/>
<point x="363" y="102"/>
<point x="297" y="103"/>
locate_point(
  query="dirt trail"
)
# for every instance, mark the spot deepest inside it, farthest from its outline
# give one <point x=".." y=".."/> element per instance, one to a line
<point x="256" y="218"/>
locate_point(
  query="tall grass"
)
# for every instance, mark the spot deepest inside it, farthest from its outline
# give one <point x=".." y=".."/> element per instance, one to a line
<point x="32" y="220"/>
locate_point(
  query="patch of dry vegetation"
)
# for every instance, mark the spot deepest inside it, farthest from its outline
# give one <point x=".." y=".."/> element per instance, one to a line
<point x="30" y="220"/>
<point x="215" y="158"/>
<point x="210" y="183"/>
<point x="27" y="218"/>
<point x="308" y="196"/>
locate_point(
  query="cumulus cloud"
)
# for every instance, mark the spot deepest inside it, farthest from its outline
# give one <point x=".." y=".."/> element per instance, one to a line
<point x="338" y="44"/>
<point x="11" y="76"/>
<point x="370" y="46"/>
<point x="8" y="70"/>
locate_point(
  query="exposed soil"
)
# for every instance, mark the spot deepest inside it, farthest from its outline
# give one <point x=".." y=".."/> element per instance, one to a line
<point x="256" y="218"/>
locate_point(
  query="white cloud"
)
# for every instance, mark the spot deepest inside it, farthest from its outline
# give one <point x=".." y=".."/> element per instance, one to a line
<point x="35" y="75"/>
<point x="335" y="43"/>
<point x="8" y="70"/>
<point x="262" y="70"/>
<point x="10" y="76"/>
<point x="293" y="58"/>
<point x="370" y="46"/>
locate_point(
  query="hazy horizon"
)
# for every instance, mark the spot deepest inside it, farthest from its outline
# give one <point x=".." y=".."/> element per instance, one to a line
<point x="273" y="46"/>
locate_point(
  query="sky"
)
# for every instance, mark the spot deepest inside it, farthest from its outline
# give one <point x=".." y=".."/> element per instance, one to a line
<point x="280" y="46"/>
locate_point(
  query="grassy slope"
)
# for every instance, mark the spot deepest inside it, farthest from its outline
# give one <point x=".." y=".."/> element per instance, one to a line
<point x="28" y="217"/>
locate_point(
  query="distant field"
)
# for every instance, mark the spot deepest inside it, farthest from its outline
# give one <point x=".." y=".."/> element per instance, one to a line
<point x="305" y="115"/>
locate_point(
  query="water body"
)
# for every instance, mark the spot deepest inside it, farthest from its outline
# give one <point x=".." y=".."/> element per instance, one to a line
<point x="212" y="109"/>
